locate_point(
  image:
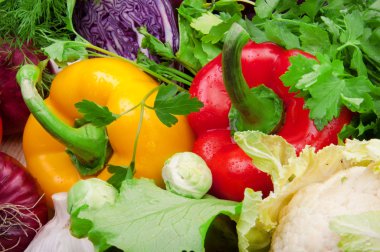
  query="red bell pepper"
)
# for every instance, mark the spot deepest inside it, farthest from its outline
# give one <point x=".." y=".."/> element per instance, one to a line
<point x="218" y="86"/>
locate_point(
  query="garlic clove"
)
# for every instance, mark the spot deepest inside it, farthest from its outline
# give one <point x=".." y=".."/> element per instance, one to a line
<point x="55" y="235"/>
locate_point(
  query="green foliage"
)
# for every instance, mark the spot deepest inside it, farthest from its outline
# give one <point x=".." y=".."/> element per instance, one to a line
<point x="170" y="102"/>
<point x="99" y="116"/>
<point x="29" y="20"/>
<point x="345" y="36"/>
<point x="148" y="218"/>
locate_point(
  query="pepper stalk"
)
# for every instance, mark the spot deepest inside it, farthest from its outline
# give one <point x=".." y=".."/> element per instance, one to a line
<point x="256" y="108"/>
<point x="87" y="145"/>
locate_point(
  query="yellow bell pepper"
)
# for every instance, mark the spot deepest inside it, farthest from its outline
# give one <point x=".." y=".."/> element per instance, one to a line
<point x="108" y="82"/>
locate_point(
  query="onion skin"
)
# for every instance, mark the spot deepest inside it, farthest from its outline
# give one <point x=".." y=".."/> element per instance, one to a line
<point x="19" y="189"/>
<point x="12" y="107"/>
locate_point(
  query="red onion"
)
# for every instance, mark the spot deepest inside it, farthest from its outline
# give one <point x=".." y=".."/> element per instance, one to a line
<point x="12" y="107"/>
<point x="23" y="209"/>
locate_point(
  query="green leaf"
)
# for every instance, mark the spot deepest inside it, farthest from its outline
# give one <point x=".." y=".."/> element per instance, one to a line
<point x="270" y="153"/>
<point x="251" y="238"/>
<point x="95" y="114"/>
<point x="254" y="32"/>
<point x="187" y="45"/>
<point x="326" y="88"/>
<point x="354" y="24"/>
<point x="299" y="67"/>
<point x="325" y="101"/>
<point x="370" y="47"/>
<point x="162" y="69"/>
<point x="230" y="6"/>
<point x="119" y="174"/>
<point x="357" y="62"/>
<point x="311" y="7"/>
<point x="279" y="33"/>
<point x="205" y="22"/>
<point x="360" y="232"/>
<point x="217" y="32"/>
<point x="264" y="8"/>
<point x="148" y="218"/>
<point x="170" y="102"/>
<point x="331" y="27"/>
<point x="66" y="51"/>
<point x="359" y="88"/>
<point x="70" y="11"/>
<point x="155" y="46"/>
<point x="314" y="39"/>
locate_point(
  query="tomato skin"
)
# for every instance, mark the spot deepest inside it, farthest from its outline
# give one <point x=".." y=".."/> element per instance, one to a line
<point x="232" y="171"/>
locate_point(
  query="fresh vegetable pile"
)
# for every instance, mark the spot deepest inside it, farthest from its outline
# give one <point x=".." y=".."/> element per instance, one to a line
<point x="191" y="125"/>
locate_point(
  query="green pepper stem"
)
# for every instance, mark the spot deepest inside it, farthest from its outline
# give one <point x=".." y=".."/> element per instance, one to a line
<point x="257" y="108"/>
<point x="87" y="146"/>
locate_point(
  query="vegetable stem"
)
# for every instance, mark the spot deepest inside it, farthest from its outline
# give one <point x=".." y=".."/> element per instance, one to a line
<point x="87" y="146"/>
<point x="257" y="108"/>
<point x="145" y="69"/>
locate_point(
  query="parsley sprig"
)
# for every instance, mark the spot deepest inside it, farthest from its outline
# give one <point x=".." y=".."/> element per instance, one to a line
<point x="169" y="102"/>
<point x="344" y="35"/>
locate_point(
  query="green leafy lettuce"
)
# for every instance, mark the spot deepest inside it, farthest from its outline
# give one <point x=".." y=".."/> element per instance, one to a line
<point x="360" y="232"/>
<point x="145" y="217"/>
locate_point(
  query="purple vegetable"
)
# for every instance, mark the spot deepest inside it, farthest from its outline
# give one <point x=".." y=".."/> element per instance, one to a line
<point x="23" y="210"/>
<point x="113" y="24"/>
<point x="13" y="110"/>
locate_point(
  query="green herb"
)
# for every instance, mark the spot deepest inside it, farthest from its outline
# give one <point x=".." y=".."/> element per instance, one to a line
<point x="33" y="20"/>
<point x="119" y="174"/>
<point x="155" y="45"/>
<point x="100" y="116"/>
<point x="344" y="35"/>
<point x="329" y="87"/>
<point x="166" y="70"/>
<point x="202" y="26"/>
<point x="170" y="102"/>
<point x="144" y="214"/>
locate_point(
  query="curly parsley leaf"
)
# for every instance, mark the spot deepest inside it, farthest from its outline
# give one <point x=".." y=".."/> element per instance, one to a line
<point x="66" y="51"/>
<point x="155" y="45"/>
<point x="328" y="87"/>
<point x="170" y="102"/>
<point x="99" y="116"/>
<point x="217" y="32"/>
<point x="119" y="174"/>
<point x="264" y="8"/>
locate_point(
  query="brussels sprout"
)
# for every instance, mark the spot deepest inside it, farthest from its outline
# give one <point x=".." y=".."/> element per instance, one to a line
<point x="187" y="174"/>
<point x="92" y="192"/>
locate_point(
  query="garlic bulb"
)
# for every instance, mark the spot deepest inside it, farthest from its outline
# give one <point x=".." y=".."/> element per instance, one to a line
<point x="55" y="235"/>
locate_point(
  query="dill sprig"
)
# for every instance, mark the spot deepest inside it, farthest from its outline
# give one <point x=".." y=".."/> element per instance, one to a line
<point x="31" y="20"/>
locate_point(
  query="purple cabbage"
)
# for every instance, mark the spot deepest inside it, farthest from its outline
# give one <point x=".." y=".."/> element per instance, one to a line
<point x="113" y="24"/>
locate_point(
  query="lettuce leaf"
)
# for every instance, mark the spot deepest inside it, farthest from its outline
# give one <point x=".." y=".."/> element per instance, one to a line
<point x="360" y="232"/>
<point x="246" y="227"/>
<point x="290" y="174"/>
<point x="148" y="218"/>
